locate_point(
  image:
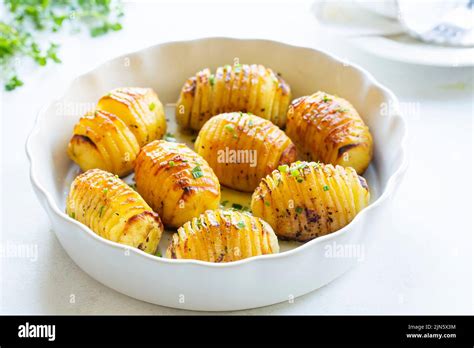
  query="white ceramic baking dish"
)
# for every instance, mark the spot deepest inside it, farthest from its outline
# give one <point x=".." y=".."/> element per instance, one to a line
<point x="198" y="285"/>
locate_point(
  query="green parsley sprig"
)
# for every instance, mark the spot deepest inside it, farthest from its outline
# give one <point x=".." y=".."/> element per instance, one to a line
<point x="25" y="19"/>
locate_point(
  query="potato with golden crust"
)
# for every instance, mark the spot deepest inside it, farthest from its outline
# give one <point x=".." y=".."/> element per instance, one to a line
<point x="307" y="199"/>
<point x="327" y="128"/>
<point x="102" y="140"/>
<point x="241" y="87"/>
<point x="110" y="137"/>
<point x="140" y="109"/>
<point x="243" y="148"/>
<point x="176" y="182"/>
<point x="113" y="210"/>
<point x="223" y="236"/>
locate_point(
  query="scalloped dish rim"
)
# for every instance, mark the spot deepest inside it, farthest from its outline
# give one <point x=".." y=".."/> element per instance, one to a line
<point x="387" y="191"/>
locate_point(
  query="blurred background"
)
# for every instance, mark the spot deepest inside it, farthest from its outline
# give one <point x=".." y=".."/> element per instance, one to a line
<point x="422" y="260"/>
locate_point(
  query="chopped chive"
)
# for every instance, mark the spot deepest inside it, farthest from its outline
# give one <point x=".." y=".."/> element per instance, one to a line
<point x="295" y="172"/>
<point x="229" y="127"/>
<point x="199" y="223"/>
<point x="169" y="137"/>
<point x="101" y="210"/>
<point x="237" y="206"/>
<point x="197" y="172"/>
<point x="283" y="168"/>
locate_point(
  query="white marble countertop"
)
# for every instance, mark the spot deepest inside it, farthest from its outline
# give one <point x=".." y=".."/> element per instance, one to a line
<point x="423" y="259"/>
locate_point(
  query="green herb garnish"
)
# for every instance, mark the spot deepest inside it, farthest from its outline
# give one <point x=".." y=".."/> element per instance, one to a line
<point x="298" y="210"/>
<point x="171" y="163"/>
<point x="169" y="137"/>
<point x="27" y="22"/>
<point x="325" y="187"/>
<point x="283" y="168"/>
<point x="240" y="224"/>
<point x="237" y="206"/>
<point x="151" y="106"/>
<point x="197" y="172"/>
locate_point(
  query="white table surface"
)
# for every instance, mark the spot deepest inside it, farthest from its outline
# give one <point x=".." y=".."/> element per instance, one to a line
<point x="421" y="261"/>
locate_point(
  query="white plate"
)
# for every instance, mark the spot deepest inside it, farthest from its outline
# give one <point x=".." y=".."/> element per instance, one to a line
<point x="198" y="285"/>
<point x="373" y="27"/>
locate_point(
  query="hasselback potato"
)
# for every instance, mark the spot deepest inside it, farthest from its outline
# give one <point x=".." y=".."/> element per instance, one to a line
<point x="307" y="199"/>
<point x="241" y="87"/>
<point x="176" y="182"/>
<point x="113" y="210"/>
<point x="327" y="128"/>
<point x="243" y="148"/>
<point x="140" y="109"/>
<point x="110" y="137"/>
<point x="223" y="236"/>
<point x="102" y="140"/>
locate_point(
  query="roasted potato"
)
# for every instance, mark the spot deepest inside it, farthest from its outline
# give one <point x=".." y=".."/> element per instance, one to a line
<point x="140" y="109"/>
<point x="113" y="210"/>
<point x="243" y="148"/>
<point x="307" y="200"/>
<point x="110" y="137"/>
<point x="241" y="87"/>
<point x="223" y="236"/>
<point x="176" y="182"/>
<point x="327" y="128"/>
<point x="102" y="140"/>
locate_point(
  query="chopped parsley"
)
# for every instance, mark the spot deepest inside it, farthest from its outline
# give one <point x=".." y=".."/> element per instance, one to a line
<point x="212" y="79"/>
<point x="298" y="210"/>
<point x="240" y="224"/>
<point x="267" y="203"/>
<point x="171" y="163"/>
<point x="325" y="187"/>
<point x="158" y="253"/>
<point x="105" y="190"/>
<point x="151" y="106"/>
